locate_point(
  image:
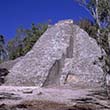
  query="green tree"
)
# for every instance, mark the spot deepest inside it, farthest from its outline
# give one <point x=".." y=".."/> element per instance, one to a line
<point x="98" y="9"/>
<point x="33" y="35"/>
<point x="3" y="51"/>
<point x="88" y="26"/>
<point x="15" y="46"/>
<point x="25" y="39"/>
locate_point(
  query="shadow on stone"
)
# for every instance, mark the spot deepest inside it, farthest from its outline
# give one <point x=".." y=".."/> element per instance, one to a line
<point x="3" y="73"/>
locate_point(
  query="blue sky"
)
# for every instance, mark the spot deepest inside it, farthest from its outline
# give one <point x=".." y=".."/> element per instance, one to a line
<point x="16" y="13"/>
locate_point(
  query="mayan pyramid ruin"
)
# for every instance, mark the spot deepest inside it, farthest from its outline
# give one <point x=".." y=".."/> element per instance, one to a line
<point x="64" y="54"/>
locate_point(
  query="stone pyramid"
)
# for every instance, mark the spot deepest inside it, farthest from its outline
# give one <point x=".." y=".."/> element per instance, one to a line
<point x="65" y="53"/>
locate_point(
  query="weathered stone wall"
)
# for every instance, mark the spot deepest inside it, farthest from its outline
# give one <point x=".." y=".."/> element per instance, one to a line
<point x="85" y="53"/>
<point x="63" y="50"/>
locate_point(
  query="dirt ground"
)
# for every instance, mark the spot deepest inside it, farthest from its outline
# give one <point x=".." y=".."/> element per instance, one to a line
<point x="33" y="98"/>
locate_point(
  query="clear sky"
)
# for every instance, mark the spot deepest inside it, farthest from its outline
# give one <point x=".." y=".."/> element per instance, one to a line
<point x="15" y="13"/>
